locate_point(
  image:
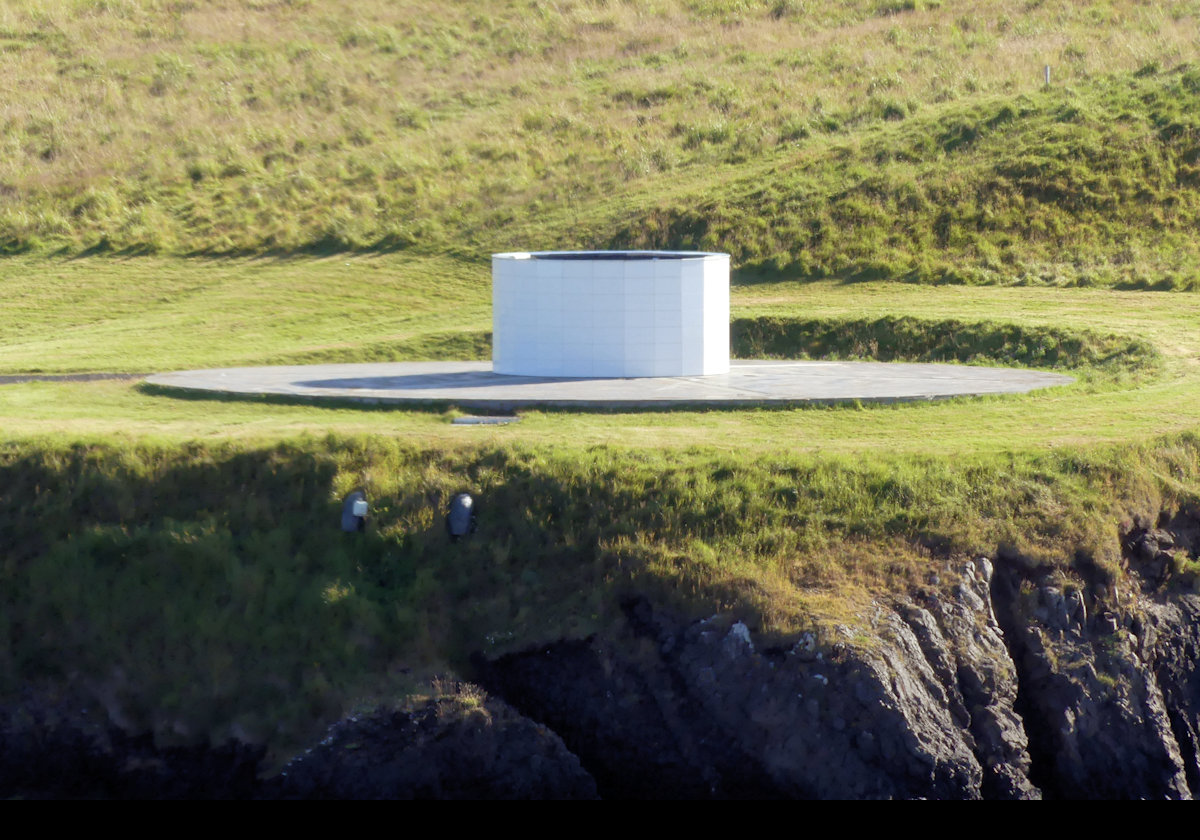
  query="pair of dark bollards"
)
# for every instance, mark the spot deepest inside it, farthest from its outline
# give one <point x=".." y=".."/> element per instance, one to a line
<point x="460" y="516"/>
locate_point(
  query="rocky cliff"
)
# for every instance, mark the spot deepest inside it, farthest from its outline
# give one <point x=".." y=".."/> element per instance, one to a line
<point x="999" y="680"/>
<point x="1002" y="680"/>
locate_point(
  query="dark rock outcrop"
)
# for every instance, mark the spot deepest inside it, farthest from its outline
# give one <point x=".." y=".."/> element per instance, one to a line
<point x="49" y="750"/>
<point x="698" y="711"/>
<point x="1003" y="680"/>
<point x="457" y="745"/>
<point x="461" y="745"/>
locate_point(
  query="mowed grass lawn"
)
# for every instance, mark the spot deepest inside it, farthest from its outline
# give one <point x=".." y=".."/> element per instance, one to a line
<point x="148" y="314"/>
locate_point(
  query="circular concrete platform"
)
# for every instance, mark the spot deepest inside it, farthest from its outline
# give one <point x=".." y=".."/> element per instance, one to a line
<point x="474" y="385"/>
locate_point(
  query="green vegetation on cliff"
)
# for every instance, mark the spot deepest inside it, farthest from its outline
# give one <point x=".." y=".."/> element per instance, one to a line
<point x="206" y="591"/>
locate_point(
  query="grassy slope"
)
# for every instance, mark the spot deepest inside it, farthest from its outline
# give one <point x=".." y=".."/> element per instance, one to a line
<point x="148" y="315"/>
<point x="893" y="142"/>
<point x="447" y="131"/>
<point x="1093" y="184"/>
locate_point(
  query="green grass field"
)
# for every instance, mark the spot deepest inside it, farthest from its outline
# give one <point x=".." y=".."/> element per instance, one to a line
<point x="144" y="315"/>
<point x="242" y="183"/>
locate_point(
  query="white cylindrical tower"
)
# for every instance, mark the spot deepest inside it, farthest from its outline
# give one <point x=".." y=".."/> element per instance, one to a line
<point x="610" y="313"/>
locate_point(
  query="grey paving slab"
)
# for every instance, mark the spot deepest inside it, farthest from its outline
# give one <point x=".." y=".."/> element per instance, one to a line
<point x="474" y="385"/>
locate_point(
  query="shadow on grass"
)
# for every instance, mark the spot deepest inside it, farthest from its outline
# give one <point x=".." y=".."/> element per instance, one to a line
<point x="448" y="407"/>
<point x="172" y="565"/>
<point x="767" y="272"/>
<point x="333" y="246"/>
<point x="323" y="247"/>
<point x="333" y="403"/>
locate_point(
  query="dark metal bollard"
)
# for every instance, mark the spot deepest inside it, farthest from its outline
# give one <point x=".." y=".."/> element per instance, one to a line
<point x="354" y="512"/>
<point x="460" y="520"/>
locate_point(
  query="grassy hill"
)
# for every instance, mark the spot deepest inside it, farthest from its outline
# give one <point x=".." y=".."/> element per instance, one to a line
<point x="870" y="138"/>
<point x="238" y="182"/>
<point x="1095" y="184"/>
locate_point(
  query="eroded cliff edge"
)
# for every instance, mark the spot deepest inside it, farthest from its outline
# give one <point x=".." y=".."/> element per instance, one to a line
<point x="1007" y="688"/>
<point x="1001" y="679"/>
